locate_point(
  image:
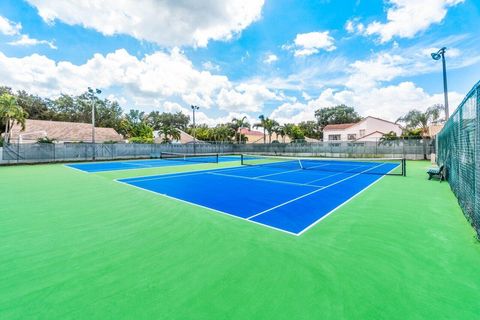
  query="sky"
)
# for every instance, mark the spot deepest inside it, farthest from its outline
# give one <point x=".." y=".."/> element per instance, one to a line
<point x="280" y="58"/>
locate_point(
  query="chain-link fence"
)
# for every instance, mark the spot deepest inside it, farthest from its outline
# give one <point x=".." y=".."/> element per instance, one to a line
<point x="44" y="152"/>
<point x="459" y="152"/>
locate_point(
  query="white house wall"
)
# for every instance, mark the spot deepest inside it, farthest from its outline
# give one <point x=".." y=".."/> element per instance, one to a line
<point x="368" y="125"/>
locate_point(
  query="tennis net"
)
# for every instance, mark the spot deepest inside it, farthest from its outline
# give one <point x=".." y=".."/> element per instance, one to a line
<point x="192" y="157"/>
<point x="382" y="166"/>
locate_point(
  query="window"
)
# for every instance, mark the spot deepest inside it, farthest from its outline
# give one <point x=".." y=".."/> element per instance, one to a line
<point x="334" y="137"/>
<point x="362" y="132"/>
<point x="352" y="137"/>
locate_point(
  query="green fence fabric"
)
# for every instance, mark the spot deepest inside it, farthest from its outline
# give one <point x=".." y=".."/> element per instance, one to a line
<point x="459" y="150"/>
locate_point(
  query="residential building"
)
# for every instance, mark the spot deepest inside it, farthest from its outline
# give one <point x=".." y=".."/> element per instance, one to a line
<point x="61" y="132"/>
<point x="184" y="137"/>
<point x="368" y="129"/>
<point x="257" y="136"/>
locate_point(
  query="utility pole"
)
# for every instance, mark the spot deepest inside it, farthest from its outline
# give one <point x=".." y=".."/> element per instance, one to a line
<point x="194" y="108"/>
<point x="437" y="56"/>
<point x="92" y="92"/>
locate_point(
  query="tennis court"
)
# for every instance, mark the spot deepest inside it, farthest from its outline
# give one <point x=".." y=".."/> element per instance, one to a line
<point x="166" y="159"/>
<point x="287" y="194"/>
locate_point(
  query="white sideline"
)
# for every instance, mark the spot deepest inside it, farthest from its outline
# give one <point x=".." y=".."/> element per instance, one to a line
<point x="310" y="193"/>
<point x="208" y="208"/>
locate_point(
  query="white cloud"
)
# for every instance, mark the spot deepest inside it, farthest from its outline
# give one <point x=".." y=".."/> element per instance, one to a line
<point x="270" y="58"/>
<point x="245" y="97"/>
<point x="201" y="117"/>
<point x="167" y="22"/>
<point x="389" y="102"/>
<point x="25" y="40"/>
<point x="210" y="66"/>
<point x="382" y="67"/>
<point x="293" y="113"/>
<point x="306" y="44"/>
<point x="8" y="27"/>
<point x="406" y="18"/>
<point x="157" y="77"/>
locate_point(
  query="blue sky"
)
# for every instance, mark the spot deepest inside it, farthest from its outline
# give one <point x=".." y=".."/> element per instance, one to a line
<point x="284" y="59"/>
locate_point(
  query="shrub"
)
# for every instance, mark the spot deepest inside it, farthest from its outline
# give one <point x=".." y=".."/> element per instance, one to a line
<point x="45" y="140"/>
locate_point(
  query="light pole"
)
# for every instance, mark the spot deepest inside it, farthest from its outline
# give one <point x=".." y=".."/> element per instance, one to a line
<point x="92" y="92"/>
<point x="436" y="56"/>
<point x="194" y="108"/>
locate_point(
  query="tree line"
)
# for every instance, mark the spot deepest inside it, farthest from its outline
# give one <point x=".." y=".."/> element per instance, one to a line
<point x="138" y="126"/>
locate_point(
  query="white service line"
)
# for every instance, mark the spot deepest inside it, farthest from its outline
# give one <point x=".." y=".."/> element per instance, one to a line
<point x="267" y="180"/>
<point x="310" y="193"/>
<point x="136" y="164"/>
<point x="331" y="175"/>
<point x="208" y="208"/>
<point x="178" y="174"/>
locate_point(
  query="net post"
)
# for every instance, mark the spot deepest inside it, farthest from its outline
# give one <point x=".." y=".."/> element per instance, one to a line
<point x="241" y="159"/>
<point x="216" y="158"/>
<point x="404" y="164"/>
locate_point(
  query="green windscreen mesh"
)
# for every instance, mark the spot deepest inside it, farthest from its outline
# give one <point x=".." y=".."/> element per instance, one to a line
<point x="459" y="151"/>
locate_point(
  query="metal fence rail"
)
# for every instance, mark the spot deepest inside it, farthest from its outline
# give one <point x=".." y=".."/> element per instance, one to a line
<point x="37" y="153"/>
<point x="459" y="152"/>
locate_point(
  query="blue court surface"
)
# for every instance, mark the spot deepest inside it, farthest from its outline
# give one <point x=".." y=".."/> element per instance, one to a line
<point x="143" y="164"/>
<point x="290" y="200"/>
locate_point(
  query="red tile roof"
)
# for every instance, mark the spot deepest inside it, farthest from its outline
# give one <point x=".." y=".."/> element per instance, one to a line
<point x="249" y="132"/>
<point x="62" y="132"/>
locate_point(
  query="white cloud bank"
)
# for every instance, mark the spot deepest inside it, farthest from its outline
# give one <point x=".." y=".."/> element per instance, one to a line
<point x="405" y="18"/>
<point x="149" y="81"/>
<point x="167" y="22"/>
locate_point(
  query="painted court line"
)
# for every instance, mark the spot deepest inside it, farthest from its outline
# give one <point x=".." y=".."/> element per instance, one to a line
<point x="208" y="208"/>
<point x="310" y="193"/>
<point x="342" y="204"/>
<point x="267" y="180"/>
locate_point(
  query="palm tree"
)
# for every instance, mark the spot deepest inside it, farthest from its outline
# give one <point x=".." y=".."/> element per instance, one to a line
<point x="11" y="113"/>
<point x="389" y="138"/>
<point x="169" y="132"/>
<point x="280" y="131"/>
<point x="237" y="125"/>
<point x="261" y="124"/>
<point x="270" y="126"/>
<point x="223" y="132"/>
<point x="416" y="119"/>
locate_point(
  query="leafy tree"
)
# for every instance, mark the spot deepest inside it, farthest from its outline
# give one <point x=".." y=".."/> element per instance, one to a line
<point x="416" y="119"/>
<point x="336" y="115"/>
<point x="11" y="113"/>
<point x="311" y="129"/>
<point x="293" y="132"/>
<point x="141" y="140"/>
<point x="134" y="125"/>
<point x="177" y="120"/>
<point x="36" y="107"/>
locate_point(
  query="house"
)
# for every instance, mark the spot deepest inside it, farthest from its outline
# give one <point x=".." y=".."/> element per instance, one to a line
<point x="62" y="132"/>
<point x="434" y="129"/>
<point x="368" y="129"/>
<point x="184" y="137"/>
<point x="257" y="136"/>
